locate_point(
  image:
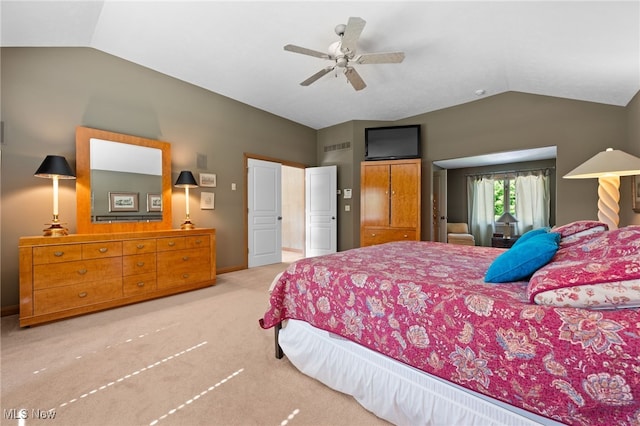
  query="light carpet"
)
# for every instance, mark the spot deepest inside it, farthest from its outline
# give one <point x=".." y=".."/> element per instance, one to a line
<point x="197" y="358"/>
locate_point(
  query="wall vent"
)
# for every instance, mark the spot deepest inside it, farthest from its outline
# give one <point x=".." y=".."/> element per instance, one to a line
<point x="338" y="146"/>
<point x="201" y="161"/>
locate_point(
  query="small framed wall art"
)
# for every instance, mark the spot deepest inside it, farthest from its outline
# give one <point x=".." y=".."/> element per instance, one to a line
<point x="123" y="201"/>
<point x="207" y="200"/>
<point x="208" y="180"/>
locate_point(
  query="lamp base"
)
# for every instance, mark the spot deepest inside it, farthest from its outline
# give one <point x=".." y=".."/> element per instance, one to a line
<point x="55" y="230"/>
<point x="608" y="199"/>
<point x="188" y="225"/>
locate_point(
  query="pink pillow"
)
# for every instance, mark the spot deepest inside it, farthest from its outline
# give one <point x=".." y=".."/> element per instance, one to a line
<point x="602" y="272"/>
<point x="580" y="227"/>
<point x="579" y="231"/>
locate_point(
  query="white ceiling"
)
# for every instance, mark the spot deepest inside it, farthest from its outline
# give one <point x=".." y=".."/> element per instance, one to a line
<point x="583" y="50"/>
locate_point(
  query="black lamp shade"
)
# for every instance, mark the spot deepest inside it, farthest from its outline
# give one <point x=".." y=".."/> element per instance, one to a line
<point x="186" y="180"/>
<point x="55" y="166"/>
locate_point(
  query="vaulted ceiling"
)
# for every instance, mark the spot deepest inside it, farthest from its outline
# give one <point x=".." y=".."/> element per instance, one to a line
<point x="455" y="51"/>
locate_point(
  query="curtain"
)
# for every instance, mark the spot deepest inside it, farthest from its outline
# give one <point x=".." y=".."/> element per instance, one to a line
<point x="480" y="205"/>
<point x="532" y="202"/>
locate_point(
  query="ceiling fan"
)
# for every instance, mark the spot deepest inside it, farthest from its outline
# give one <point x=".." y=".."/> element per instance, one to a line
<point x="343" y="53"/>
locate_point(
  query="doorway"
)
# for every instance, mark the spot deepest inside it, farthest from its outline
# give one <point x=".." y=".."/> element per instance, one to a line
<point x="274" y="202"/>
<point x="291" y="211"/>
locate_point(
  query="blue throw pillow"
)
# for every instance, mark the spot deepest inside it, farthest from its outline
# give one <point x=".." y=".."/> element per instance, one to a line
<point x="521" y="261"/>
<point x="529" y="234"/>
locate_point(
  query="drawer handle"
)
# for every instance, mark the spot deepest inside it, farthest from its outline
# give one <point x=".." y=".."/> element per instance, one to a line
<point x="172" y="243"/>
<point x="373" y="235"/>
<point x="185" y="258"/>
<point x="406" y="236"/>
<point x="140" y="246"/>
<point x="141" y="284"/>
<point x="103" y="250"/>
<point x="185" y="275"/>
<point x="82" y="294"/>
<point x="140" y="264"/>
<point x="58" y="253"/>
<point x="198" y="241"/>
<point x="82" y="271"/>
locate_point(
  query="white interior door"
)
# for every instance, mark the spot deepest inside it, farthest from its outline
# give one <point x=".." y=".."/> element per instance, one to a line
<point x="440" y="205"/>
<point x="321" y="205"/>
<point x="265" y="212"/>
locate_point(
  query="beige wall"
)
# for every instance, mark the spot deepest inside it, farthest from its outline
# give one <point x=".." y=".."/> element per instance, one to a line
<point x="47" y="92"/>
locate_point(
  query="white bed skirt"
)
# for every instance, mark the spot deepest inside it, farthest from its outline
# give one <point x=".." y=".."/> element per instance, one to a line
<point x="392" y="390"/>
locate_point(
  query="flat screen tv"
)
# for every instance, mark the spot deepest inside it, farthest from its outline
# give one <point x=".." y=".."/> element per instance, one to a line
<point x="392" y="143"/>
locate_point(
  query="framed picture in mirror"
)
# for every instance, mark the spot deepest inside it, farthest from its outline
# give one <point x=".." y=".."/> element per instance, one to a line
<point x="123" y="201"/>
<point x="154" y="202"/>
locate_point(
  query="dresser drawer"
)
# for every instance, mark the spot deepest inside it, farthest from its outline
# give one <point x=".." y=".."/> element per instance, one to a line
<point x="183" y="260"/>
<point x="138" y="284"/>
<point x="60" y="274"/>
<point x="177" y="278"/>
<point x="138" y="264"/>
<point x="77" y="295"/>
<point x="138" y="246"/>
<point x="197" y="241"/>
<point x="167" y="244"/>
<point x="183" y="267"/>
<point x="102" y="249"/>
<point x="372" y="236"/>
<point x="59" y="253"/>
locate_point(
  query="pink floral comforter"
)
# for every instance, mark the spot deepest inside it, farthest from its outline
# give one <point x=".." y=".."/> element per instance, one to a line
<point x="426" y="304"/>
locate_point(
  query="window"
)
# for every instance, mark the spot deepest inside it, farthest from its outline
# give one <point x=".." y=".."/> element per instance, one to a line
<point x="504" y="196"/>
<point x="524" y="194"/>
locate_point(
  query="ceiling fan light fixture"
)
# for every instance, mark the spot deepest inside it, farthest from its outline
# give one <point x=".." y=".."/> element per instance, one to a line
<point x="343" y="53"/>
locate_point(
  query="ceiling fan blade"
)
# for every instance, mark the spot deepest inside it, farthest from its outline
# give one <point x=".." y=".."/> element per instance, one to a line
<point x="317" y="75"/>
<point x="305" y="51"/>
<point x="352" y="34"/>
<point x="354" y="78"/>
<point x="380" y="58"/>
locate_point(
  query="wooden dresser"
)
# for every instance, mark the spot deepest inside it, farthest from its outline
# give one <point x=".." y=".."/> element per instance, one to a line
<point x="76" y="274"/>
<point x="390" y="201"/>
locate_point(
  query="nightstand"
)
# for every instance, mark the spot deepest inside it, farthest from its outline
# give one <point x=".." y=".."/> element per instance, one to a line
<point x="501" y="242"/>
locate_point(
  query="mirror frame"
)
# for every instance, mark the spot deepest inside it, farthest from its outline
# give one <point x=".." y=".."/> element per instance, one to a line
<point x="83" y="183"/>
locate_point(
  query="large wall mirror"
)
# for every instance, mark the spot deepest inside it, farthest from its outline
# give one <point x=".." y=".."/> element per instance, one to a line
<point x="123" y="182"/>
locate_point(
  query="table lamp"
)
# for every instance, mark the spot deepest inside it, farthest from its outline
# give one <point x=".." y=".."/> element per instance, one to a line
<point x="607" y="166"/>
<point x="186" y="181"/>
<point x="55" y="167"/>
<point x="507" y="218"/>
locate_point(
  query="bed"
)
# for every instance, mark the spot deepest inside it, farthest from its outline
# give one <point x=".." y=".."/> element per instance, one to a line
<point x="417" y="335"/>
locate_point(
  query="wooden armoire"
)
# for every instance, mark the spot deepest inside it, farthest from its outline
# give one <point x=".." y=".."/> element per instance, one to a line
<point x="390" y="201"/>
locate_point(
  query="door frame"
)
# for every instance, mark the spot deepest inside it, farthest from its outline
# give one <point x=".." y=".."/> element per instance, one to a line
<point x="245" y="200"/>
